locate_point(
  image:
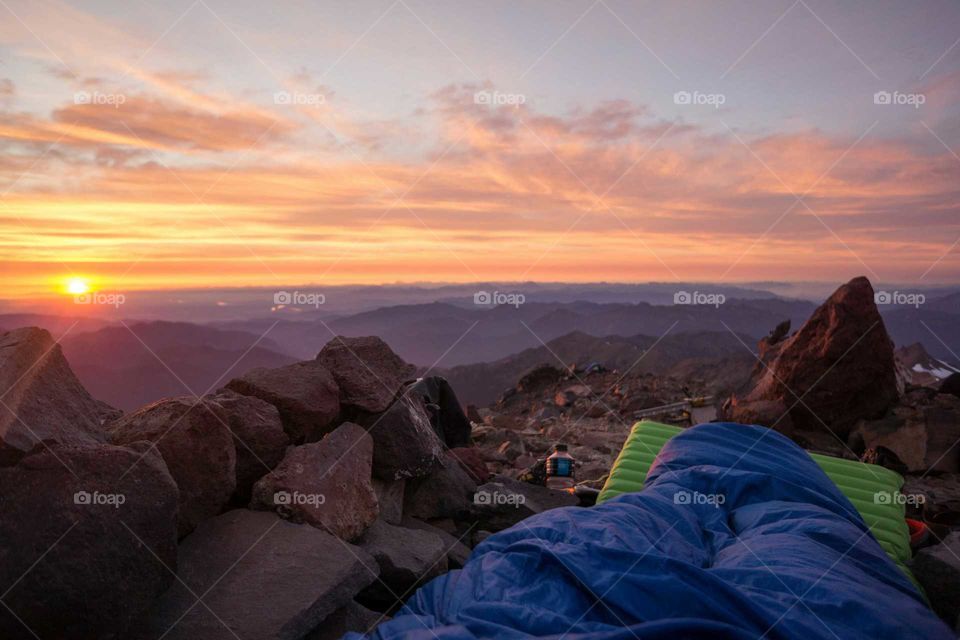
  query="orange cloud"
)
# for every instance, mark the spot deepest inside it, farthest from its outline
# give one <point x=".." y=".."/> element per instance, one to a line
<point x="506" y="192"/>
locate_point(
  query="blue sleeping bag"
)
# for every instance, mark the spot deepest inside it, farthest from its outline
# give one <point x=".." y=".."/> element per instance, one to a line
<point x="730" y="538"/>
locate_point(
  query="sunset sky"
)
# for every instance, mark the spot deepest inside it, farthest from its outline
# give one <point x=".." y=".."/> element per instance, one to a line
<point x="234" y="143"/>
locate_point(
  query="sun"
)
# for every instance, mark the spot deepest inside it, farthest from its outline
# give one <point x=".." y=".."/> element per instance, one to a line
<point x="77" y="286"/>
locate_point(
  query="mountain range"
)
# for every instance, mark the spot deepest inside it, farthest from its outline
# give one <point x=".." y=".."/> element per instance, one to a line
<point x="480" y="348"/>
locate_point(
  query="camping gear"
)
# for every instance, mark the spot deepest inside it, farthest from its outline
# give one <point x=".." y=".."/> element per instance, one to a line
<point x="560" y="469"/>
<point x="919" y="534"/>
<point x="736" y="534"/>
<point x="872" y="489"/>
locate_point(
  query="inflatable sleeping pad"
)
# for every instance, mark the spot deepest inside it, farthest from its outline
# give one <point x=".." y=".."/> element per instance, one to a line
<point x="873" y="490"/>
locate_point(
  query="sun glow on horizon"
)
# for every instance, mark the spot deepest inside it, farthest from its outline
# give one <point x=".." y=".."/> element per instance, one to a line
<point x="77" y="286"/>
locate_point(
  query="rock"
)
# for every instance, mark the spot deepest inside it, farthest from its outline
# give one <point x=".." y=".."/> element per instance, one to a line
<point x="445" y="493"/>
<point x="511" y="449"/>
<point x="937" y="569"/>
<point x="406" y="557"/>
<point x="539" y="378"/>
<point x="505" y="502"/>
<point x="571" y="394"/>
<point x="305" y="394"/>
<point x="840" y="363"/>
<point x="601" y="442"/>
<point x="42" y="398"/>
<point x="507" y="421"/>
<point x="457" y="552"/>
<point x="524" y="461"/>
<point x="351" y="617"/>
<point x="473" y="414"/>
<point x="640" y="400"/>
<point x="951" y="385"/>
<point x="325" y="484"/>
<point x="404" y="443"/>
<point x="596" y="410"/>
<point x="544" y="413"/>
<point x="938" y="489"/>
<point x="446" y="415"/>
<point x="920" y="432"/>
<point x="197" y="447"/>
<point x="100" y="522"/>
<point x="390" y="499"/>
<point x="367" y="371"/>
<point x="258" y="435"/>
<point x="260" y="577"/>
<point x="473" y="462"/>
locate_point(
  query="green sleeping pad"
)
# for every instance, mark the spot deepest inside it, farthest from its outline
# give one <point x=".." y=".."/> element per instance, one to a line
<point x="859" y="481"/>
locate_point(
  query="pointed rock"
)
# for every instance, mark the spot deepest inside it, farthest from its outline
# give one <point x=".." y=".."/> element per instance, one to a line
<point x="326" y="484"/>
<point x="840" y="363"/>
<point x="42" y="398"/>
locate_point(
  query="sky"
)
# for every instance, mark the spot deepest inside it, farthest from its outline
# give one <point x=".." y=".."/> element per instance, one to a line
<point x="216" y="143"/>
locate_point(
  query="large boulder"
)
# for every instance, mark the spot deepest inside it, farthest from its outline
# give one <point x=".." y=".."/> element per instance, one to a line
<point x="305" y="394"/>
<point x="447" y="492"/>
<point x="457" y="551"/>
<point x="390" y="499"/>
<point x="473" y="461"/>
<point x="406" y="557"/>
<point x="258" y="577"/>
<point x="937" y="569"/>
<point x="42" y="400"/>
<point x="350" y="617"/>
<point x="88" y="539"/>
<point x="197" y="447"/>
<point x="367" y="371"/>
<point x="404" y="443"/>
<point x="921" y="432"/>
<point x="837" y="369"/>
<point x="505" y="502"/>
<point x="258" y="435"/>
<point x="446" y="414"/>
<point x="326" y="484"/>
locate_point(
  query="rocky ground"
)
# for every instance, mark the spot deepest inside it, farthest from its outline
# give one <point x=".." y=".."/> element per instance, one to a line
<point x="311" y="499"/>
<point x="591" y="411"/>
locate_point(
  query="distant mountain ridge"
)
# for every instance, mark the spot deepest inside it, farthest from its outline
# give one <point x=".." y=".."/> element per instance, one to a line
<point x="119" y="369"/>
<point x="685" y="355"/>
<point x="130" y="367"/>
